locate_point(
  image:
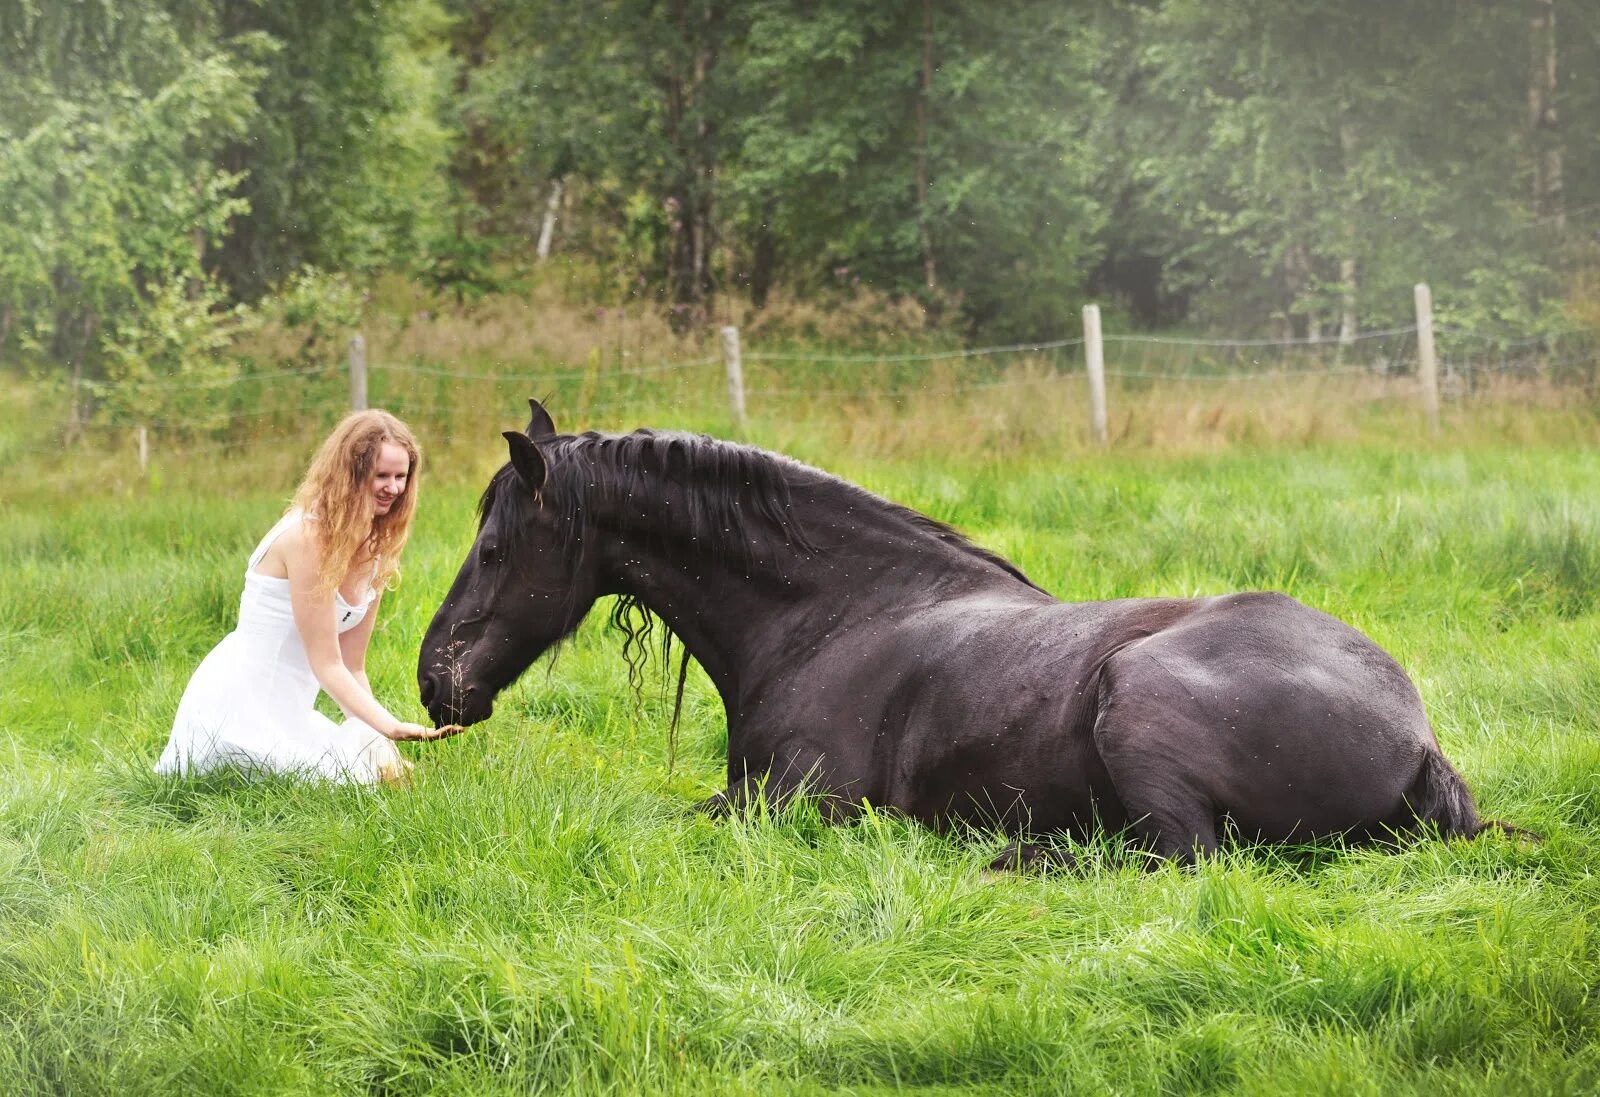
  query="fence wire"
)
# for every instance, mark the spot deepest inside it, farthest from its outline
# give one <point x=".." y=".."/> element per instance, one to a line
<point x="218" y="415"/>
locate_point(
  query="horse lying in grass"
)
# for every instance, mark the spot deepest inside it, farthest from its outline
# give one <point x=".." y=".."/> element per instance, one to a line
<point x="870" y="654"/>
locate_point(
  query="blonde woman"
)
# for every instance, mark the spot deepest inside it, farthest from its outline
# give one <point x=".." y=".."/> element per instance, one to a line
<point x="311" y="595"/>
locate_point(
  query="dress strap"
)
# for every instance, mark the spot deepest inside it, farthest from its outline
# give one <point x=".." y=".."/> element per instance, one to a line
<point x="272" y="535"/>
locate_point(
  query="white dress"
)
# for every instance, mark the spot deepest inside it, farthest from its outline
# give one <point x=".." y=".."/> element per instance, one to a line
<point x="250" y="703"/>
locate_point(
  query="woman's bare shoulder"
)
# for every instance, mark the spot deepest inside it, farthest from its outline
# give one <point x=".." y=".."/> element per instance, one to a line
<point x="295" y="542"/>
<point x="296" y="529"/>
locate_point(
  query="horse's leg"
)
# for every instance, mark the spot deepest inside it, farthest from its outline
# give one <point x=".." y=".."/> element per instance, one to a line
<point x="747" y="792"/>
<point x="1022" y="856"/>
<point x="803" y="772"/>
<point x="1182" y="832"/>
<point x="1172" y="821"/>
<point x="719" y="805"/>
<point x="1147" y="737"/>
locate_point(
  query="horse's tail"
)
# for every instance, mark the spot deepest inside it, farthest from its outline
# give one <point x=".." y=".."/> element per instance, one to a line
<point x="1439" y="796"/>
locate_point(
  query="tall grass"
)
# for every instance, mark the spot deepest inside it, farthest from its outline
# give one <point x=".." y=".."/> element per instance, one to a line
<point x="860" y="374"/>
<point x="542" y="912"/>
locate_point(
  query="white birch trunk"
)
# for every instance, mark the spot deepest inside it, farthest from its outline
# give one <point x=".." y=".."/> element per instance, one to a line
<point x="552" y="211"/>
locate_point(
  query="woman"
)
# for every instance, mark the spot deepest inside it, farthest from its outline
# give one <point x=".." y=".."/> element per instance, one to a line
<point x="311" y="595"/>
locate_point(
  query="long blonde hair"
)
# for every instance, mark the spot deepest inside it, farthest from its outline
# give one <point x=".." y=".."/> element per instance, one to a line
<point x="337" y="494"/>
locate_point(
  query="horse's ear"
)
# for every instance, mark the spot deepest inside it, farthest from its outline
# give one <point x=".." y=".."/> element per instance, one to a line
<point x="526" y="459"/>
<point x="540" y="426"/>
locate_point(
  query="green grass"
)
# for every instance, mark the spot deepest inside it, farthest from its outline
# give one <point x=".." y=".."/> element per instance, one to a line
<point x="542" y="912"/>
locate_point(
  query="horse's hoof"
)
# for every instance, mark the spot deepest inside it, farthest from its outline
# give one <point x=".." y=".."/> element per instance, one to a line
<point x="1033" y="857"/>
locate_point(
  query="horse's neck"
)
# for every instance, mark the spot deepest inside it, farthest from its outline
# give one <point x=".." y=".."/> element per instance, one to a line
<point x="725" y="614"/>
<point x="736" y="608"/>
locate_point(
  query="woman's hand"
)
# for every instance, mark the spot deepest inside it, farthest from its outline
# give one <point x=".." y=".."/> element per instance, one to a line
<point x="416" y="733"/>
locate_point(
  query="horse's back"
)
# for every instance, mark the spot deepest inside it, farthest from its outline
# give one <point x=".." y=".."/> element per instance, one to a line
<point x="990" y="710"/>
<point x="1053" y="715"/>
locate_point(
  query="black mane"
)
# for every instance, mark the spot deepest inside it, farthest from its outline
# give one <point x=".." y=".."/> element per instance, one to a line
<point x="728" y="498"/>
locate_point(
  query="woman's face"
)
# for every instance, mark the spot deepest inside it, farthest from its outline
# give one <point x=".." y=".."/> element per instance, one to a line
<point x="389" y="475"/>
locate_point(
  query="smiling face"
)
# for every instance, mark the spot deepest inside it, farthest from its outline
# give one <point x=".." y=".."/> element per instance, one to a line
<point x="390" y="474"/>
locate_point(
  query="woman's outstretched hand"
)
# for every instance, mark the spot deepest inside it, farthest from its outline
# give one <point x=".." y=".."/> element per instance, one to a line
<point x="416" y="733"/>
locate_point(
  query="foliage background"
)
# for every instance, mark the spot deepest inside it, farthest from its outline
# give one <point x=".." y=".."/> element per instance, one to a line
<point x="1243" y="166"/>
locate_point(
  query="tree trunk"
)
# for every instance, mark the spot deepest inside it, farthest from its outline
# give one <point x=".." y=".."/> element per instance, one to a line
<point x="679" y="197"/>
<point x="690" y="226"/>
<point x="704" y="171"/>
<point x="929" y="266"/>
<point x="479" y="160"/>
<point x="552" y="209"/>
<point x="1296" y="271"/>
<point x="680" y="188"/>
<point x="1347" y="298"/>
<point x="1544" y="133"/>
<point x="75" y="414"/>
<point x="699" y="274"/>
<point x="78" y="413"/>
<point x="1347" y="264"/>
<point x="763" y="260"/>
<point x="197" y="236"/>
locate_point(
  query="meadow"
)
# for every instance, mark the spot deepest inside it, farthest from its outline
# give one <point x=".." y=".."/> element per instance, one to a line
<point x="542" y="912"/>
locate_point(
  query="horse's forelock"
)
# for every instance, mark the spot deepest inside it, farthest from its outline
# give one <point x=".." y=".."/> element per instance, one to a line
<point x="486" y="500"/>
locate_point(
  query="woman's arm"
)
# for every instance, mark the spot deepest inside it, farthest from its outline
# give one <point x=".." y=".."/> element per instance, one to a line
<point x="353" y="644"/>
<point x="313" y="617"/>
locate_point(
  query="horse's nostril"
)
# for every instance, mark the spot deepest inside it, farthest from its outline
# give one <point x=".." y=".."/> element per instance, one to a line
<point x="427" y="692"/>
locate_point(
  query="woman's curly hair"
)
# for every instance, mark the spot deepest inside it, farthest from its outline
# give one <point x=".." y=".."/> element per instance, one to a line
<point x="337" y="493"/>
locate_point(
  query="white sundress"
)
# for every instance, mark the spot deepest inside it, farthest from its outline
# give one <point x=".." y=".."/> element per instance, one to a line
<point x="251" y="701"/>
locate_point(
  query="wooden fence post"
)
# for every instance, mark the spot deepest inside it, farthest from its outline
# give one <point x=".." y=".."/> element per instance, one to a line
<point x="1427" y="362"/>
<point x="731" y="362"/>
<point x="1094" y="356"/>
<point x="358" y="372"/>
<point x="144" y="449"/>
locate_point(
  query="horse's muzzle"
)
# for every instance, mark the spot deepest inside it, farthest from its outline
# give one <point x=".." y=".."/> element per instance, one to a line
<point x="448" y="705"/>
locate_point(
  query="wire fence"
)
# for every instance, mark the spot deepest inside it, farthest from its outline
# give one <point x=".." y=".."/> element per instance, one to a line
<point x="172" y="419"/>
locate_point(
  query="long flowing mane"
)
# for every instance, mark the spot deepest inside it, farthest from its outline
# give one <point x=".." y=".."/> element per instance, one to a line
<point x="728" y="499"/>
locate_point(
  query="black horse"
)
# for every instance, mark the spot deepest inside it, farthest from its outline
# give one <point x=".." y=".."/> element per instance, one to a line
<point x="871" y="654"/>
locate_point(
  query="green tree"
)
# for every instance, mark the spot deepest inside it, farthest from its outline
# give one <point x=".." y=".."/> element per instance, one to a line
<point x="342" y="164"/>
<point x="115" y="115"/>
<point x="1309" y="162"/>
<point x="930" y="149"/>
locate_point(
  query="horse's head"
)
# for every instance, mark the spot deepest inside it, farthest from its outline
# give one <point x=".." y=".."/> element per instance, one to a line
<point x="525" y="584"/>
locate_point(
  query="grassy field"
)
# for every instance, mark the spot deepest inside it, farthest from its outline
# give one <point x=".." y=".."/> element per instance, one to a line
<point x="541" y="911"/>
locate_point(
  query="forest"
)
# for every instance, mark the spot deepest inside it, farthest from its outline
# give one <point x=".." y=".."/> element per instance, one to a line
<point x="171" y="171"/>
